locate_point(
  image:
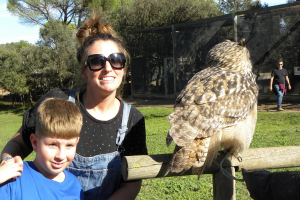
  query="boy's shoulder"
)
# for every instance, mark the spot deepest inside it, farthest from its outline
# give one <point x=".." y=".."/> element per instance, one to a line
<point x="31" y="174"/>
<point x="33" y="185"/>
<point x="10" y="189"/>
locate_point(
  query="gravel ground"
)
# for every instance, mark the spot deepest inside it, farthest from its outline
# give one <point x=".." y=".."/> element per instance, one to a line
<point x="269" y="106"/>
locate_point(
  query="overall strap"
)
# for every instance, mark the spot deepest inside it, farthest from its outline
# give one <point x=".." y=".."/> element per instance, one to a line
<point x="72" y="95"/>
<point x="123" y="129"/>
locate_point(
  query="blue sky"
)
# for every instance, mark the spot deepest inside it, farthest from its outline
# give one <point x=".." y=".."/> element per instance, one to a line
<point x="13" y="31"/>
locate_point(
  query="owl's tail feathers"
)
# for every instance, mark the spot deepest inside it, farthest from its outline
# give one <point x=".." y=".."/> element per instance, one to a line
<point x="192" y="155"/>
<point x="179" y="159"/>
<point x="201" y="147"/>
<point x="212" y="145"/>
<point x="199" y="155"/>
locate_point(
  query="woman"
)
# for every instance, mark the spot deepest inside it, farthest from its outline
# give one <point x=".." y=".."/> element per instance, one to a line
<point x="111" y="129"/>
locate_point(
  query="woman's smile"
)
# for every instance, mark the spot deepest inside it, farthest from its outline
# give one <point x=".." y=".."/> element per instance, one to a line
<point x="107" y="78"/>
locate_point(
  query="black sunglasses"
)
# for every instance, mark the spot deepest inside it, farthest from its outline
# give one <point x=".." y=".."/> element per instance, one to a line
<point x="97" y="61"/>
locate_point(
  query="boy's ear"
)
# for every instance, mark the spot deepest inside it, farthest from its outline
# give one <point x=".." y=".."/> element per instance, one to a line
<point x="34" y="140"/>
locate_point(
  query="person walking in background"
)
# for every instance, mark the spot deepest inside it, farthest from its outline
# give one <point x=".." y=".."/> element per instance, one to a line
<point x="279" y="77"/>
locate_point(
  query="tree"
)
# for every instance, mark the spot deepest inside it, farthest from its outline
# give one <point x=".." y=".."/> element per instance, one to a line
<point x="26" y="69"/>
<point x="232" y="6"/>
<point x="141" y="14"/>
<point x="34" y="12"/>
<point x="57" y="55"/>
<point x="14" y="73"/>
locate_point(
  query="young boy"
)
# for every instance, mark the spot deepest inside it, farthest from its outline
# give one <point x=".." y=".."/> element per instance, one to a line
<point x="57" y="133"/>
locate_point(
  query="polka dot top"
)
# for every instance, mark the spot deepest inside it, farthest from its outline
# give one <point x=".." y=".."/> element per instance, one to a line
<point x="96" y="136"/>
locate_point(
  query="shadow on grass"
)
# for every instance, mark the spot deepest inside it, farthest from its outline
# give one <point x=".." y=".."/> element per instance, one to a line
<point x="17" y="109"/>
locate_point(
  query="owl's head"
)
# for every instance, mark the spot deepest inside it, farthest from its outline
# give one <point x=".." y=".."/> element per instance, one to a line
<point x="230" y="55"/>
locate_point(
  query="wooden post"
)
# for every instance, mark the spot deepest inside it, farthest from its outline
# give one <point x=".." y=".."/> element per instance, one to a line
<point x="223" y="187"/>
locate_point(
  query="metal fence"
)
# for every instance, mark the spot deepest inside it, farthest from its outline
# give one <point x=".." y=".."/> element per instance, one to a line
<point x="165" y="58"/>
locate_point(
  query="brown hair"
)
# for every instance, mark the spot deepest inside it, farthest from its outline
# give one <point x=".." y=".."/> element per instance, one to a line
<point x="94" y="30"/>
<point x="58" y="118"/>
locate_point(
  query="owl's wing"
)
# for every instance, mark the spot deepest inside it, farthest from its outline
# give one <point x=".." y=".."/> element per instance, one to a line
<point x="213" y="99"/>
<point x="196" y="79"/>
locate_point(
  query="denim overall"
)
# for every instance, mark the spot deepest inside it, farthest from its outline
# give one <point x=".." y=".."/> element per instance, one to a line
<point x="100" y="175"/>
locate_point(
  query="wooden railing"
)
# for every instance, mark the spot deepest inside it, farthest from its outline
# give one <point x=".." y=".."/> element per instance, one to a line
<point x="157" y="166"/>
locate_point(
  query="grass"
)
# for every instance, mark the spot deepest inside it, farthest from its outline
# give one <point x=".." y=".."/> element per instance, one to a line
<point x="273" y="129"/>
<point x="10" y="122"/>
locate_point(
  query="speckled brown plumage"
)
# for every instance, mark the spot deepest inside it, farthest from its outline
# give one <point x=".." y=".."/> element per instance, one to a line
<point x="218" y="107"/>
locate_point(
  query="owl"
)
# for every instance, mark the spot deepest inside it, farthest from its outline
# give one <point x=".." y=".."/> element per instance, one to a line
<point x="217" y="108"/>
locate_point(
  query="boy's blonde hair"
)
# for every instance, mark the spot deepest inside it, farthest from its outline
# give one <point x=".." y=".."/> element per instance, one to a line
<point x="58" y="118"/>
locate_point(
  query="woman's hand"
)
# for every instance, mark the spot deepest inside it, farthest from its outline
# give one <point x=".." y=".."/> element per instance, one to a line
<point x="11" y="168"/>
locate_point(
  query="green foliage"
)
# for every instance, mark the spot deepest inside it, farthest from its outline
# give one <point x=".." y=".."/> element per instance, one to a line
<point x="57" y="55"/>
<point x="232" y="6"/>
<point x="34" y="12"/>
<point x="39" y="12"/>
<point x="141" y="14"/>
<point x="27" y="69"/>
<point x="106" y="5"/>
<point x="17" y="46"/>
<point x="13" y="72"/>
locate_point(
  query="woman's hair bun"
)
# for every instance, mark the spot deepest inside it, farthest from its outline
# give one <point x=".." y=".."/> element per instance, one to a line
<point x="92" y="27"/>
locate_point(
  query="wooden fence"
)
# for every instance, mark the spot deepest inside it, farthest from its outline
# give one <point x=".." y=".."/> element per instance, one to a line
<point x="157" y="166"/>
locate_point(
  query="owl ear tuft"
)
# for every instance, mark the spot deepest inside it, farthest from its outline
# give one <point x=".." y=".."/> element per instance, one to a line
<point x="242" y="42"/>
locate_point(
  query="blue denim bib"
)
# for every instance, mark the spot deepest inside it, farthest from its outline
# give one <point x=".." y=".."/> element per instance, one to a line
<point x="100" y="175"/>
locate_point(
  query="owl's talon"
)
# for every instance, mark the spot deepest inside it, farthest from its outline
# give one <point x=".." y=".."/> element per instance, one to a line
<point x="239" y="158"/>
<point x="227" y="174"/>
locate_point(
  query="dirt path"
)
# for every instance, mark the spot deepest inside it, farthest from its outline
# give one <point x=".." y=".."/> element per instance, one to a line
<point x="269" y="106"/>
<point x="262" y="106"/>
